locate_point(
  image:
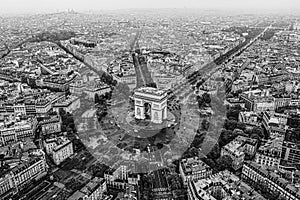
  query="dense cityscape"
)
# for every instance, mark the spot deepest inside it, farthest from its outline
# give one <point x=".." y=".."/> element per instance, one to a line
<point x="166" y="104"/>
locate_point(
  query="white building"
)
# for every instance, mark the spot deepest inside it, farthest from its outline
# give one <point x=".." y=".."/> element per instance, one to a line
<point x="237" y="150"/>
<point x="51" y="125"/>
<point x="249" y="118"/>
<point x="258" y="101"/>
<point x="59" y="148"/>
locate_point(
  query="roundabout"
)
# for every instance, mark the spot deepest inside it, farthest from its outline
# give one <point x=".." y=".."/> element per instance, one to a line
<point x="143" y="132"/>
<point x="122" y="136"/>
<point x="137" y="133"/>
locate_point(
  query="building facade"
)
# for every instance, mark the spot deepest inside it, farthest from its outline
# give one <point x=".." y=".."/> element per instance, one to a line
<point x="59" y="148"/>
<point x="51" y="125"/>
<point x="255" y="174"/>
<point x="21" y="175"/>
<point x="193" y="169"/>
<point x="238" y="148"/>
<point x="18" y="131"/>
<point x="269" y="154"/>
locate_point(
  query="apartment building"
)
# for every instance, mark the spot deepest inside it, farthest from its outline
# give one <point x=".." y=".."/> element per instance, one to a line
<point x="254" y="174"/>
<point x="223" y="185"/>
<point x="121" y="176"/>
<point x="93" y="190"/>
<point x="238" y="148"/>
<point x="275" y="123"/>
<point x="11" y="132"/>
<point x="51" y="124"/>
<point x="291" y="147"/>
<point x="193" y="169"/>
<point x="18" y="177"/>
<point x="59" y="148"/>
<point x="269" y="153"/>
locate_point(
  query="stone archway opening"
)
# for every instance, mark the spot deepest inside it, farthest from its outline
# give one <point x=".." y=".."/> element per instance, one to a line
<point x="147" y="107"/>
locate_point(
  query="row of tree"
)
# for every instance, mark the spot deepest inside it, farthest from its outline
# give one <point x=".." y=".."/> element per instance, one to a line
<point x="102" y="99"/>
<point x="203" y="100"/>
<point x="98" y="169"/>
<point x="108" y="79"/>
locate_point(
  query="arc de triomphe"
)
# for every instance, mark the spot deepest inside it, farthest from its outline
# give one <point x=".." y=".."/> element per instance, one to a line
<point x="155" y="99"/>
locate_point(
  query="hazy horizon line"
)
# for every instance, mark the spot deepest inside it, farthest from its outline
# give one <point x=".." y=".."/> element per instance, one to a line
<point x="109" y="10"/>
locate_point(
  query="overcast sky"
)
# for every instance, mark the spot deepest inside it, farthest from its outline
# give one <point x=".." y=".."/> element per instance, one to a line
<point x="38" y="6"/>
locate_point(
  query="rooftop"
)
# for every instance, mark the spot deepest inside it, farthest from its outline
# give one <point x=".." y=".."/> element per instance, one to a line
<point x="92" y="186"/>
<point x="151" y="90"/>
<point x="191" y="165"/>
<point x="226" y="181"/>
<point x="272" y="174"/>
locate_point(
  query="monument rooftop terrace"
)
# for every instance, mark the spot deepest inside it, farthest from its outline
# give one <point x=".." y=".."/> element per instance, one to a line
<point x="152" y="91"/>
